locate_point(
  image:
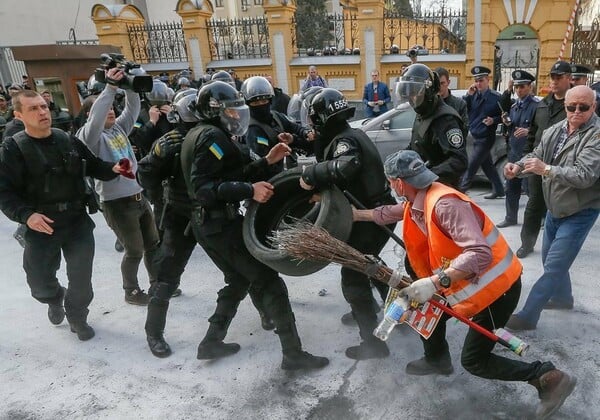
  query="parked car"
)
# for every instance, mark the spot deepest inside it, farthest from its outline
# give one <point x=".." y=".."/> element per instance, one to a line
<point x="392" y="130"/>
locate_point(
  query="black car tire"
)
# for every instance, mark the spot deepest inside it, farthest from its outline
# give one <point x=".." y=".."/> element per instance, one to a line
<point x="333" y="213"/>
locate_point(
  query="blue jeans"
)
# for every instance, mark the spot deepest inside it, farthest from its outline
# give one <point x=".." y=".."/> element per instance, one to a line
<point x="563" y="238"/>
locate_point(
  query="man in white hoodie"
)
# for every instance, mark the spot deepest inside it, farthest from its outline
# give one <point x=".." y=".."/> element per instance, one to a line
<point x="126" y="210"/>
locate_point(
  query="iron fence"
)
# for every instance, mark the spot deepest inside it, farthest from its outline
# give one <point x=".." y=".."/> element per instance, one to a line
<point x="340" y="38"/>
<point x="238" y="38"/>
<point x="157" y="42"/>
<point x="586" y="43"/>
<point x="441" y="31"/>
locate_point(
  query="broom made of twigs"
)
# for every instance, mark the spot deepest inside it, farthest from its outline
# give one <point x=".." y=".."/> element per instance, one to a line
<point x="304" y="241"/>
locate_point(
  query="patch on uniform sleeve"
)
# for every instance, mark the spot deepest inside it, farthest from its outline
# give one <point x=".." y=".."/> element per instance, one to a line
<point x="455" y="137"/>
<point x="341" y="149"/>
<point x="262" y="141"/>
<point x="216" y="150"/>
<point x="137" y="125"/>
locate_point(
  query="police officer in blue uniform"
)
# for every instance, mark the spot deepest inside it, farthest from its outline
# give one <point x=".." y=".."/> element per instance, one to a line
<point x="484" y="117"/>
<point x="518" y="120"/>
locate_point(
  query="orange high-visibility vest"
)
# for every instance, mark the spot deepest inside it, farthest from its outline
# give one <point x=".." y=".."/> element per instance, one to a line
<point x="432" y="253"/>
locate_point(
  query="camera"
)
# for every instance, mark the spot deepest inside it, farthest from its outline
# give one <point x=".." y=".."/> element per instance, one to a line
<point x="135" y="78"/>
<point x="412" y="52"/>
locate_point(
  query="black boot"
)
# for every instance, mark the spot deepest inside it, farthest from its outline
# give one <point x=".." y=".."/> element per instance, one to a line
<point x="212" y="346"/>
<point x="300" y="360"/>
<point x="155" y="325"/>
<point x="424" y="366"/>
<point x="294" y="358"/>
<point x="372" y="348"/>
<point x="56" y="311"/>
<point x="82" y="329"/>
<point x="266" y="322"/>
<point x="216" y="349"/>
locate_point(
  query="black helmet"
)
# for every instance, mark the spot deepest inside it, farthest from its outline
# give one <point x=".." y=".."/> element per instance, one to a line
<point x="328" y="106"/>
<point x="223" y="76"/>
<point x="257" y="88"/>
<point x="183" y="107"/>
<point x="219" y="102"/>
<point x="418" y="86"/>
<point x="63" y="121"/>
<point x="94" y="87"/>
<point x="160" y="95"/>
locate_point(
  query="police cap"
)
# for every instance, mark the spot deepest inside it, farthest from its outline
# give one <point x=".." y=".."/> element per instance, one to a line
<point x="521" y="77"/>
<point x="561" y="67"/>
<point x="579" y="70"/>
<point x="480" y="71"/>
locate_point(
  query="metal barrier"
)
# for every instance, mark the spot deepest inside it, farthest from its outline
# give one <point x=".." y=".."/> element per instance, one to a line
<point x="157" y="42"/>
<point x="442" y="31"/>
<point x="238" y="38"/>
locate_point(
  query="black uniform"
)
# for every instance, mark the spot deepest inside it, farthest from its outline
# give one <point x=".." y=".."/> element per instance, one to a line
<point x="262" y="136"/>
<point x="218" y="172"/>
<point x="350" y="161"/>
<point x="46" y="176"/>
<point x="440" y="140"/>
<point x="549" y="111"/>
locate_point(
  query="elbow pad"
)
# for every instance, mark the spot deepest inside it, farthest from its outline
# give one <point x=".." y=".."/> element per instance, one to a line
<point x="331" y="171"/>
<point x="232" y="192"/>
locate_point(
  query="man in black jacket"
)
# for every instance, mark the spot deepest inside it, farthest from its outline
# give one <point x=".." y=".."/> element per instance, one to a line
<point x="42" y="186"/>
<point x="348" y="159"/>
<point x="219" y="173"/>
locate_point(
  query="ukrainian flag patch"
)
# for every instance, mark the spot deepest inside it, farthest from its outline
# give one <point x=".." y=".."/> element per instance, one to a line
<point x="137" y="124"/>
<point x="216" y="150"/>
<point x="262" y="141"/>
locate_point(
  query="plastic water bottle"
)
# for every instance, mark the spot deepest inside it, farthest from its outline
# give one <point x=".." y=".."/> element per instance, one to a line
<point x="392" y="316"/>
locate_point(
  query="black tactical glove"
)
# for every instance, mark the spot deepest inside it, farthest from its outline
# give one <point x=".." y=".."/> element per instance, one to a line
<point x="168" y="145"/>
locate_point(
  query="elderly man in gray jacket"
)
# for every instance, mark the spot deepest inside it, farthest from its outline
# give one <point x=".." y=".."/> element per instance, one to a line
<point x="568" y="159"/>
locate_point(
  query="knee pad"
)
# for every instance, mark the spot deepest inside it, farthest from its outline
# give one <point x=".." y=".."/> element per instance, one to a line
<point x="162" y="290"/>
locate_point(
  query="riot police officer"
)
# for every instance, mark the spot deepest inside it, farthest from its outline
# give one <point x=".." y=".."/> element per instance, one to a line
<point x="268" y="127"/>
<point x="219" y="173"/>
<point x="439" y="133"/>
<point x="42" y="185"/>
<point x="350" y="161"/>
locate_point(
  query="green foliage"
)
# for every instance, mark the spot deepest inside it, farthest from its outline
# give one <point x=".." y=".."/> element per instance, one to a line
<point x="312" y="25"/>
<point x="404" y="7"/>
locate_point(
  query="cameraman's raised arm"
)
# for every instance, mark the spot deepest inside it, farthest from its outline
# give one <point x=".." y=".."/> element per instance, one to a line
<point x="131" y="112"/>
<point x="97" y="116"/>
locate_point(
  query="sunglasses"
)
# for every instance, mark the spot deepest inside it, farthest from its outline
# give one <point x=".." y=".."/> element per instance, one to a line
<point x="581" y="107"/>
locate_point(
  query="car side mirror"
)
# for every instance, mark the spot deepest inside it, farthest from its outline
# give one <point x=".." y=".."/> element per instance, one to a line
<point x="385" y="125"/>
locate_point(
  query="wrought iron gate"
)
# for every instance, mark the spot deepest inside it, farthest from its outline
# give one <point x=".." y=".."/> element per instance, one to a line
<point x="586" y="43"/>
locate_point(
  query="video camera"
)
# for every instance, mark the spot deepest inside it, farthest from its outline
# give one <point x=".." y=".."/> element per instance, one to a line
<point x="139" y="83"/>
<point x="412" y="52"/>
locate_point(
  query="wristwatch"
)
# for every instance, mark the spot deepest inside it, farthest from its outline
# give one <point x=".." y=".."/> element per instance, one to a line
<point x="444" y="279"/>
<point x="547" y="170"/>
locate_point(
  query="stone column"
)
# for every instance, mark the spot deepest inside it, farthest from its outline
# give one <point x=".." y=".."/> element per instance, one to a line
<point x="111" y="25"/>
<point x="370" y="29"/>
<point x="281" y="42"/>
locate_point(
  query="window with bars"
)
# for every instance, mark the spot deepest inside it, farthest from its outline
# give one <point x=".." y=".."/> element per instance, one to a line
<point x="218" y="3"/>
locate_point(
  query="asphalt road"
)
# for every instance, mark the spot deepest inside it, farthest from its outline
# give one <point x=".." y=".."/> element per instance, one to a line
<point x="46" y="373"/>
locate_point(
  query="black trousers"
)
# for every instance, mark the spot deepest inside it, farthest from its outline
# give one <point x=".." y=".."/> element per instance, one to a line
<point x="41" y="261"/>
<point x="535" y="211"/>
<point x="477" y="357"/>
<point x="243" y="273"/>
<point x="175" y="249"/>
<point x="369" y="239"/>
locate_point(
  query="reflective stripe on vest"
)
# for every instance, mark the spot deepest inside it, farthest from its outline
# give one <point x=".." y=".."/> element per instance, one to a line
<point x="434" y="252"/>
